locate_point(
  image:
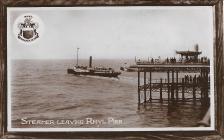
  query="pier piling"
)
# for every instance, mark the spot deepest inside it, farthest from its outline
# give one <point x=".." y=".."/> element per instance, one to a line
<point x="168" y="85"/>
<point x="183" y="90"/>
<point x="177" y="86"/>
<point x="145" y="86"/>
<point x="150" y="85"/>
<point x="172" y="87"/>
<point x="139" y="98"/>
<point x="194" y="93"/>
<point x="161" y="86"/>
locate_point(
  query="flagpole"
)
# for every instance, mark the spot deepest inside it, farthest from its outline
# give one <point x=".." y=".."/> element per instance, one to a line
<point x="77" y="59"/>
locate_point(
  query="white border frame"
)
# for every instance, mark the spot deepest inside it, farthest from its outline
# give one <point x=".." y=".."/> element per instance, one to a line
<point x="9" y="102"/>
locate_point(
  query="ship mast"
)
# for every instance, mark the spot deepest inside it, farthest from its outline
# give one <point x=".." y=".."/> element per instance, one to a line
<point x="77" y="59"/>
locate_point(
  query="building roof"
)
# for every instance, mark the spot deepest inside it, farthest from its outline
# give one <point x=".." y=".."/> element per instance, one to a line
<point x="188" y="53"/>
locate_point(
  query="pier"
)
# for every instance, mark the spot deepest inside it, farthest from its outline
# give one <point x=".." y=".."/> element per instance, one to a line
<point x="173" y="88"/>
<point x="179" y="85"/>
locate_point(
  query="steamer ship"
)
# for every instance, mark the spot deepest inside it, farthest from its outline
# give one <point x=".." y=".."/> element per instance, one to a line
<point x="94" y="71"/>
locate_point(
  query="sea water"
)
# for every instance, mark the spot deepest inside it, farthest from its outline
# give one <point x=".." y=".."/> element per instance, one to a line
<point x="44" y="95"/>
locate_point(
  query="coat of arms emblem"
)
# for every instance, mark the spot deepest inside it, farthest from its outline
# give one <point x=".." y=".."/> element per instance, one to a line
<point x="28" y="29"/>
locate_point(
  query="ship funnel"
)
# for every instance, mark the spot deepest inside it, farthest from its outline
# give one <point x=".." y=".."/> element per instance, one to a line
<point x="196" y="47"/>
<point x="90" y="61"/>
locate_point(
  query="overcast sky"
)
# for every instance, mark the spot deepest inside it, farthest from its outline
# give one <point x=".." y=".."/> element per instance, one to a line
<point x="114" y="32"/>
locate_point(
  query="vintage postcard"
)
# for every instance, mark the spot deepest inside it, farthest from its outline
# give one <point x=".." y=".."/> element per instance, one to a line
<point x="110" y="68"/>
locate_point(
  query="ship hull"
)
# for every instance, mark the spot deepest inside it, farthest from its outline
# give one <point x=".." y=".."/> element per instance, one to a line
<point x="128" y="69"/>
<point x="113" y="74"/>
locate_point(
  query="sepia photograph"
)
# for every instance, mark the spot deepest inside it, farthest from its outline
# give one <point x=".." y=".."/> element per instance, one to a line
<point x="148" y="68"/>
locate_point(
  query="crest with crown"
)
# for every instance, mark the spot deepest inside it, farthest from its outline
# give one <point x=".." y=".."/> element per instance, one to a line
<point x="28" y="29"/>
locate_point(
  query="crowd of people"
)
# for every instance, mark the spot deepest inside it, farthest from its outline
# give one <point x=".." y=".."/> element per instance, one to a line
<point x="173" y="60"/>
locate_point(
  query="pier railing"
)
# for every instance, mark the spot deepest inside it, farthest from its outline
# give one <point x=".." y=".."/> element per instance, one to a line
<point x="173" y="61"/>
